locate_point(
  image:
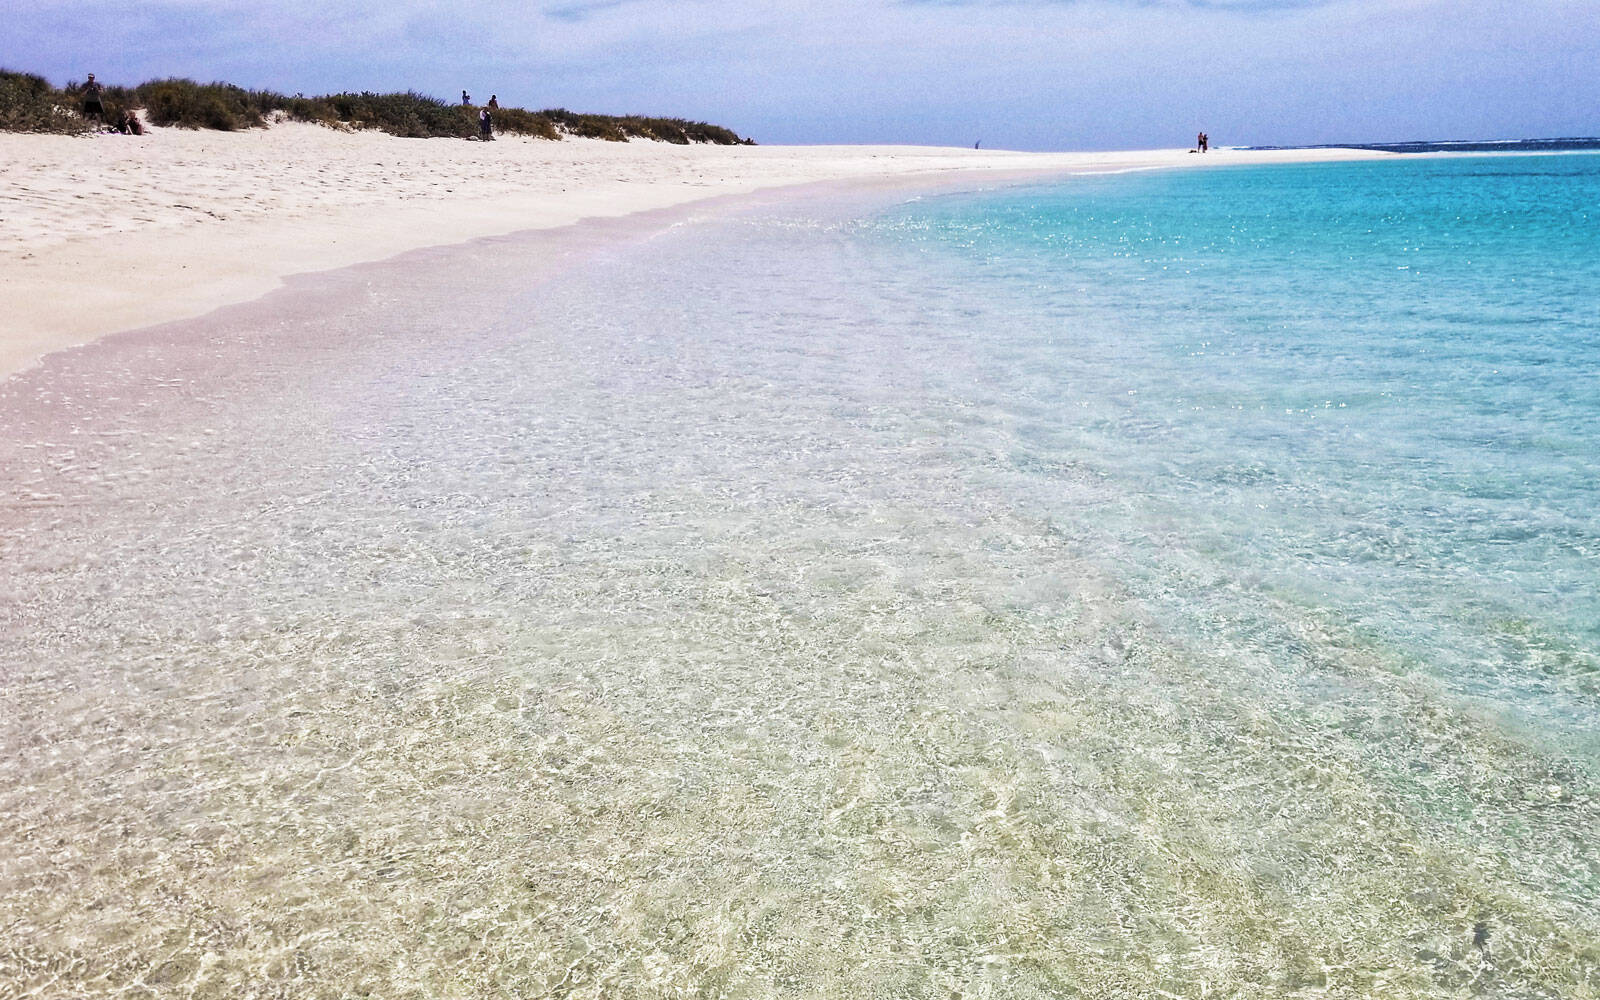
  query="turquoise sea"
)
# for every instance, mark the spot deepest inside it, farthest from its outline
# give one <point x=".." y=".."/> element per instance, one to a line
<point x="1167" y="584"/>
<point x="1368" y="391"/>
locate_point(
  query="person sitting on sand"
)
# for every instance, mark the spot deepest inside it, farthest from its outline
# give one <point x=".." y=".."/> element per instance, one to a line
<point x="485" y="126"/>
<point x="92" y="106"/>
<point x="130" y="124"/>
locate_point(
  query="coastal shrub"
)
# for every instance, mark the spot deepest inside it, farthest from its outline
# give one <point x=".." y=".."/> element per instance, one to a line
<point x="676" y="130"/>
<point x="222" y="106"/>
<point x="621" y="129"/>
<point x="29" y="104"/>
<point x="410" y="115"/>
<point x="319" y="110"/>
<point x="516" y="121"/>
<point x="716" y="135"/>
<point x="587" y="126"/>
<point x="663" y="130"/>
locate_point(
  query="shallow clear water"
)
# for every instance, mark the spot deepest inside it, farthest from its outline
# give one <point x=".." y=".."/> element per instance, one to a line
<point x="1372" y="388"/>
<point x="1158" y="585"/>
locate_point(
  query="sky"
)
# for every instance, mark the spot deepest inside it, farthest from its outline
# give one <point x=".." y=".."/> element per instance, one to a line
<point x="1018" y="74"/>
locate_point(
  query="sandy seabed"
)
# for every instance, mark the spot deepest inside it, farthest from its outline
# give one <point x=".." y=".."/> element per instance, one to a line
<point x="484" y="622"/>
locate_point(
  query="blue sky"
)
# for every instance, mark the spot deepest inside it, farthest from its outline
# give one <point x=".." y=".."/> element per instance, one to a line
<point x="1024" y="74"/>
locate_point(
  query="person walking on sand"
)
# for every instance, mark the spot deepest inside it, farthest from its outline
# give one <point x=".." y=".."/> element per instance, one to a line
<point x="93" y="107"/>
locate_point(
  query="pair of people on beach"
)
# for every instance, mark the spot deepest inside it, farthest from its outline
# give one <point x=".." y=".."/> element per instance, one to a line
<point x="485" y="120"/>
<point x="94" y="108"/>
<point x="1203" y="142"/>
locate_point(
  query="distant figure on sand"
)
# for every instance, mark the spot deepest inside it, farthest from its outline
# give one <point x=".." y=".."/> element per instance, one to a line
<point x="466" y="99"/>
<point x="1205" y="143"/>
<point x="92" y="106"/>
<point x="494" y="102"/>
<point x="130" y="124"/>
<point x="485" y="125"/>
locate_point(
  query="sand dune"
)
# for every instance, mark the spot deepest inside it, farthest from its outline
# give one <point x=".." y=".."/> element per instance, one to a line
<point x="108" y="232"/>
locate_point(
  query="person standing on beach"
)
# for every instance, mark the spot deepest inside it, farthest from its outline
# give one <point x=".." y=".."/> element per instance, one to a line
<point x="92" y="104"/>
<point x="494" y="102"/>
<point x="466" y="99"/>
<point x="485" y="126"/>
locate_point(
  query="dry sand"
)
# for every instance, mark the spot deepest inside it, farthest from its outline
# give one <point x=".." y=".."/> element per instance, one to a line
<point x="106" y="233"/>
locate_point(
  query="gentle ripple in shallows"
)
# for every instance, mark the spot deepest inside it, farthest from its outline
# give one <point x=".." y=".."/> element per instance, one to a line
<point x="711" y="624"/>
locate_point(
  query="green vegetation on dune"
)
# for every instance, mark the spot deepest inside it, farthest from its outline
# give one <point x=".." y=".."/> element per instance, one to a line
<point x="28" y="103"/>
<point x="220" y="106"/>
<point x="674" y="130"/>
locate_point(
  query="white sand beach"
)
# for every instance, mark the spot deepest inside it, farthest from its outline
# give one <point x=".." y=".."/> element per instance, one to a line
<point x="106" y="233"/>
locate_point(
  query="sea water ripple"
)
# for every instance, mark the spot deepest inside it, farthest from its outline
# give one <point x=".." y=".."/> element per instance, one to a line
<point x="1162" y="585"/>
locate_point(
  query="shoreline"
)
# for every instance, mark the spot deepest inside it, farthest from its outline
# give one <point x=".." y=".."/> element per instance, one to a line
<point x="174" y="225"/>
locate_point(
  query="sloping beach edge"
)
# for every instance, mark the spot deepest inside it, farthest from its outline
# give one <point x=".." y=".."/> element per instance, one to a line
<point x="98" y="250"/>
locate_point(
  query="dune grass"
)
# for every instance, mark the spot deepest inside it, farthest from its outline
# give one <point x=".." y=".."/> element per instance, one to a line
<point x="674" y="130"/>
<point x="219" y="106"/>
<point x="29" y="103"/>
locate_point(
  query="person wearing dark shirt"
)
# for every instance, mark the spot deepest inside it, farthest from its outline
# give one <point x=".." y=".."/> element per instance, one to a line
<point x="92" y="105"/>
